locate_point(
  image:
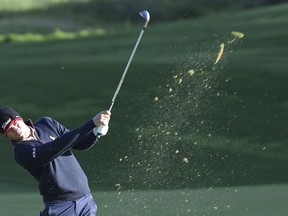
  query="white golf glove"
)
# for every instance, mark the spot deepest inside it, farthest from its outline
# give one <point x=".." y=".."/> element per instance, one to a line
<point x="100" y="130"/>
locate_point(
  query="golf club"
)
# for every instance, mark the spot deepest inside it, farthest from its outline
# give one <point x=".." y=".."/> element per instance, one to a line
<point x="102" y="130"/>
<point x="145" y="14"/>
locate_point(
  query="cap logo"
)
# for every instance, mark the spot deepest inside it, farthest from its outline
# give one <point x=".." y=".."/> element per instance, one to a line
<point x="4" y="125"/>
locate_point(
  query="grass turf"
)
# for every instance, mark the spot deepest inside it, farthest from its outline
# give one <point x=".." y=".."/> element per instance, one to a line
<point x="268" y="200"/>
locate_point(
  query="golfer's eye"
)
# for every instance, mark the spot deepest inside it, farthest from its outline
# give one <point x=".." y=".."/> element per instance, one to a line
<point x="17" y="123"/>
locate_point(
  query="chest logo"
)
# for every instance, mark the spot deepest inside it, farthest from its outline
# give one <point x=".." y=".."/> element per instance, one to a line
<point x="52" y="138"/>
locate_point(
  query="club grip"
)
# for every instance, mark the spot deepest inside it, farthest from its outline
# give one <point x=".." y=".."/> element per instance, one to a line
<point x="100" y="130"/>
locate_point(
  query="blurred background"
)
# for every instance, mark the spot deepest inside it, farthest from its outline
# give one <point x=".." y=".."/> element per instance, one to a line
<point x="203" y="104"/>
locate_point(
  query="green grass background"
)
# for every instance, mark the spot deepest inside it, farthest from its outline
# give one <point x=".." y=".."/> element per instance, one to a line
<point x="263" y="200"/>
<point x="225" y="126"/>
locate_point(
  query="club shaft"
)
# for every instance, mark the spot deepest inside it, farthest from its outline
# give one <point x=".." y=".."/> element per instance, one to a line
<point x="126" y="68"/>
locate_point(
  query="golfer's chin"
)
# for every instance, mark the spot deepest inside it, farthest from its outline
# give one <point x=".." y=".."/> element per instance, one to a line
<point x="18" y="137"/>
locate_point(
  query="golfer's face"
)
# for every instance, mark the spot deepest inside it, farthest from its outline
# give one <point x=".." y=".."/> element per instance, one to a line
<point x="18" y="131"/>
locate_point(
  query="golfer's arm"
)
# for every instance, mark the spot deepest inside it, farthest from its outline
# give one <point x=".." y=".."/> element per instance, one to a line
<point x="31" y="155"/>
<point x="87" y="142"/>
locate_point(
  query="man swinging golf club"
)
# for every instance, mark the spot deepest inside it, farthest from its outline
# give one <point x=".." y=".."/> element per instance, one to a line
<point x="44" y="149"/>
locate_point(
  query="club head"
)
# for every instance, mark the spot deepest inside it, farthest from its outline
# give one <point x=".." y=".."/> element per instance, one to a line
<point x="145" y="14"/>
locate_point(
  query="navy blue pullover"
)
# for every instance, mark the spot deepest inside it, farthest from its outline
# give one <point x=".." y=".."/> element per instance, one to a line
<point x="50" y="159"/>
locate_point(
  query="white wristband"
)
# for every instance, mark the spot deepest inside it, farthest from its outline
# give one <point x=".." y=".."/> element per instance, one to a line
<point x="100" y="130"/>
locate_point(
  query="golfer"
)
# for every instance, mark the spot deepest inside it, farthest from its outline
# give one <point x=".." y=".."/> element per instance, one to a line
<point x="44" y="149"/>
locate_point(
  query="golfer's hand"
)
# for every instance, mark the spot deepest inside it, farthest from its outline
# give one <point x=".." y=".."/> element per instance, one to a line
<point x="102" y="118"/>
<point x="101" y="121"/>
